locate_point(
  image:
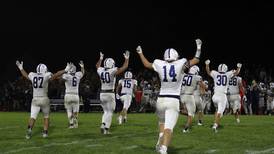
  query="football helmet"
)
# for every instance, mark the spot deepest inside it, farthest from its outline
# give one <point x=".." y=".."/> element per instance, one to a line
<point x="206" y="84"/>
<point x="271" y="84"/>
<point x="41" y="68"/>
<point x="171" y="54"/>
<point x="194" y="70"/>
<point x="222" y="68"/>
<point x="109" y="63"/>
<point x="128" y="75"/>
<point x="72" y="70"/>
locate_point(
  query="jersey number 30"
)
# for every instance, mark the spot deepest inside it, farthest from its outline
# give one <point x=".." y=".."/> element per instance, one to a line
<point x="221" y="80"/>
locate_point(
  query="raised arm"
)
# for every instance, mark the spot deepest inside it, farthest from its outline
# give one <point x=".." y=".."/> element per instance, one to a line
<point x="20" y="67"/>
<point x="208" y="71"/>
<point x="81" y="63"/>
<point x="195" y="60"/>
<point x="125" y="65"/>
<point x="239" y="66"/>
<point x="144" y="60"/>
<point x="61" y="72"/>
<point x="99" y="62"/>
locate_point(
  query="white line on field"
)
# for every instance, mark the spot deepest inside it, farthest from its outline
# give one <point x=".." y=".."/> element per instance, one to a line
<point x="211" y="151"/>
<point x="95" y="145"/>
<point x="21" y="149"/>
<point x="271" y="150"/>
<point x="130" y="147"/>
<point x="9" y="127"/>
<point x="67" y="143"/>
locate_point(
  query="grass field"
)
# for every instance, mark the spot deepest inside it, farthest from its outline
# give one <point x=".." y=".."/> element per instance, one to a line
<point x="255" y="134"/>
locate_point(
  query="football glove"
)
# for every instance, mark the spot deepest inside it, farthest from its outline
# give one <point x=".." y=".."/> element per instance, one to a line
<point x="19" y="65"/>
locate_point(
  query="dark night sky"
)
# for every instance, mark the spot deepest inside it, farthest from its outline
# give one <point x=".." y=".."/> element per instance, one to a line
<point x="57" y="33"/>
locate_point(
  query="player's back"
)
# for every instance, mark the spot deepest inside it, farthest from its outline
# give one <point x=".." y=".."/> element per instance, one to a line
<point x="170" y="74"/>
<point x="189" y="83"/>
<point x="221" y="81"/>
<point x="233" y="85"/>
<point x="72" y="82"/>
<point x="127" y="85"/>
<point x="107" y="77"/>
<point x="40" y="83"/>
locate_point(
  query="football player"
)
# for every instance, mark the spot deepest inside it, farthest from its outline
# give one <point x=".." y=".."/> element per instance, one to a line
<point x="126" y="87"/>
<point x="206" y="98"/>
<point x="40" y="100"/>
<point x="233" y="93"/>
<point x="199" y="90"/>
<point x="71" y="99"/>
<point x="221" y="79"/>
<point x="170" y="72"/>
<point x="189" y="84"/>
<point x="107" y="75"/>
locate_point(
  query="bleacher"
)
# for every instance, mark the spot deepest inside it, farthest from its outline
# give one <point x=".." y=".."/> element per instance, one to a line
<point x="58" y="104"/>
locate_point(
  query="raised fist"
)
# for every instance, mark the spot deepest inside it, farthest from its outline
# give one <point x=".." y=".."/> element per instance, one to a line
<point x="198" y="43"/>
<point x="81" y="63"/>
<point x="101" y="56"/>
<point x="239" y="65"/>
<point x="68" y="67"/>
<point x="19" y="65"/>
<point x="126" y="54"/>
<point x="207" y="62"/>
<point x="139" y="49"/>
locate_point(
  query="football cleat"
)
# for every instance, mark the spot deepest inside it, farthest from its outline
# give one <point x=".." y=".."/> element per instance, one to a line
<point x="124" y="120"/>
<point x="45" y="135"/>
<point x="214" y="128"/>
<point x="102" y="128"/>
<point x="120" y="120"/>
<point x="162" y="150"/>
<point x="185" y="130"/>
<point x="75" y="122"/>
<point x="238" y="120"/>
<point x="28" y="135"/>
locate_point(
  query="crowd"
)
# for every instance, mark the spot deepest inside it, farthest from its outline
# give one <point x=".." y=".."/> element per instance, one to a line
<point x="16" y="95"/>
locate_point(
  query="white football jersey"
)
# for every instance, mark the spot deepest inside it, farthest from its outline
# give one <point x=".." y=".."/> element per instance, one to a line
<point x="127" y="85"/>
<point x="233" y="85"/>
<point x="190" y="83"/>
<point x="221" y="80"/>
<point x="72" y="82"/>
<point x="197" y="91"/>
<point x="107" y="77"/>
<point x="170" y="74"/>
<point x="40" y="83"/>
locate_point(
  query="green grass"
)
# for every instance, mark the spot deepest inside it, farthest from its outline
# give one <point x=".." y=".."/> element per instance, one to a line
<point x="255" y="134"/>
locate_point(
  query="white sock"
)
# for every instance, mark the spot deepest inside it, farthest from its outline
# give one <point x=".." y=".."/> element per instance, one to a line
<point x="164" y="148"/>
<point x="159" y="138"/>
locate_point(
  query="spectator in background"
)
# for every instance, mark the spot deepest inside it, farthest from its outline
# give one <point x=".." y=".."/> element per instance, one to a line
<point x="255" y="91"/>
<point x="138" y="97"/>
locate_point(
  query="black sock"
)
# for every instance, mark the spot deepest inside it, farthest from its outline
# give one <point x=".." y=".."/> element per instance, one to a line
<point x="45" y="131"/>
<point x="29" y="127"/>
